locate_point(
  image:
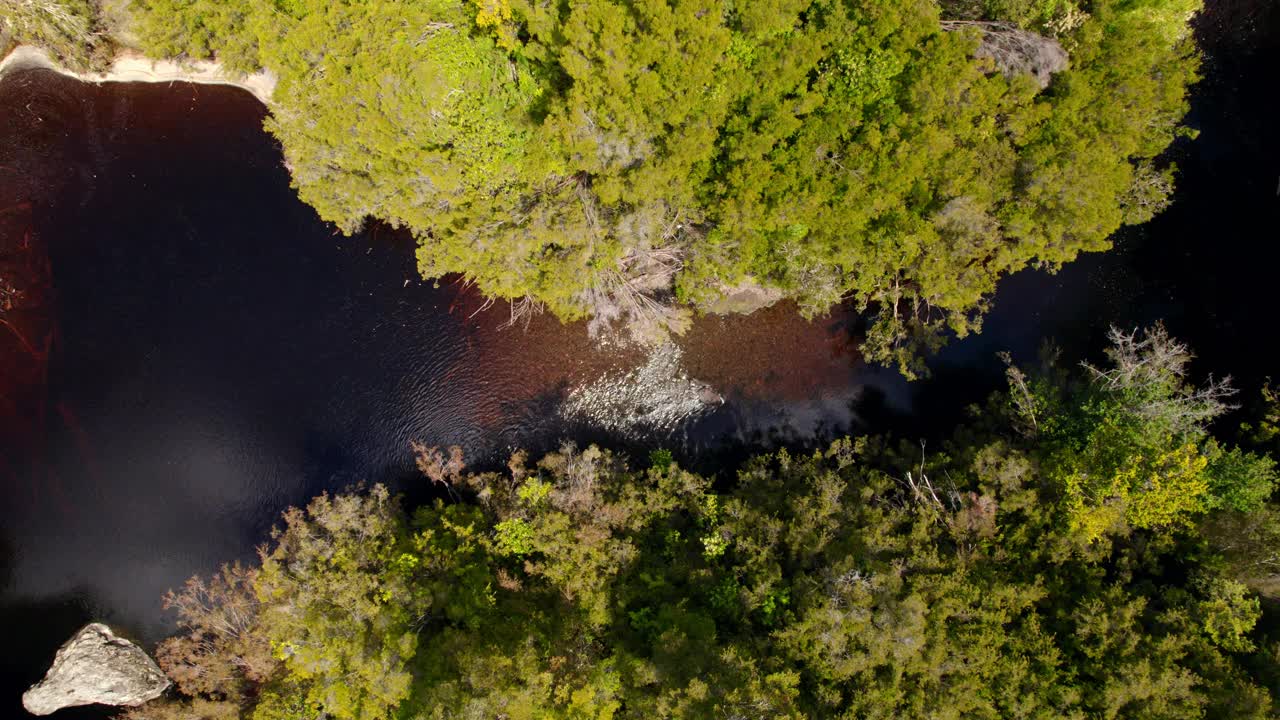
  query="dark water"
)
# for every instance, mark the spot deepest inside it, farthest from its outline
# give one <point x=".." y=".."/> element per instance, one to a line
<point x="1206" y="267"/>
<point x="218" y="353"/>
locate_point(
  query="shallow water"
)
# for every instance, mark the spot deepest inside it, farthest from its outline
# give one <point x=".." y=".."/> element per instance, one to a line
<point x="218" y="353"/>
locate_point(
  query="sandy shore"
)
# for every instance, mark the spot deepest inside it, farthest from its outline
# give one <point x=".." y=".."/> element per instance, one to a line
<point x="131" y="66"/>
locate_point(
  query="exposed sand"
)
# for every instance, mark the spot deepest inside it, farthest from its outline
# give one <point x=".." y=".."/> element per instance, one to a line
<point x="132" y="66"/>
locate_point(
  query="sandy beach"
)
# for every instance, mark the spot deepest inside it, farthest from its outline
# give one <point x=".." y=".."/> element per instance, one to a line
<point x="132" y="66"/>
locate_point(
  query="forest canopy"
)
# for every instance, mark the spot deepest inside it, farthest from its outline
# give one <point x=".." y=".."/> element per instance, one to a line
<point x="1082" y="548"/>
<point x="631" y="160"/>
<point x="76" y="33"/>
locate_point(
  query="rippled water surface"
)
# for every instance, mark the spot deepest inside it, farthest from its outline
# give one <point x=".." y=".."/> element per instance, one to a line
<point x="212" y="353"/>
<point x="197" y="350"/>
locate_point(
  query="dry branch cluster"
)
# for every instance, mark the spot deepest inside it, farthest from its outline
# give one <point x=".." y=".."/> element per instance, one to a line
<point x="1150" y="369"/>
<point x="1015" y="51"/>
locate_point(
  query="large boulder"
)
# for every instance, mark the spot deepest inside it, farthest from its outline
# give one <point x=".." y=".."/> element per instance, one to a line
<point x="96" y="666"/>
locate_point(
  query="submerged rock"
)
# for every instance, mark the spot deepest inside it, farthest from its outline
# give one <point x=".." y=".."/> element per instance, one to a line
<point x="650" y="401"/>
<point x="96" y="666"/>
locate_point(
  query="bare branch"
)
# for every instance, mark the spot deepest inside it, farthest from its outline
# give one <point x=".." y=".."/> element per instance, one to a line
<point x="1149" y="370"/>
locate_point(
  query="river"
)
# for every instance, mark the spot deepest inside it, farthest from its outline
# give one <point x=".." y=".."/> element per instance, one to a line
<point x="217" y="353"/>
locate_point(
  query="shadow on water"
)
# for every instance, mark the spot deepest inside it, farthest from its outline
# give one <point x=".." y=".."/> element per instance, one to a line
<point x="1205" y="266"/>
<point x="36" y="628"/>
<point x="219" y="353"/>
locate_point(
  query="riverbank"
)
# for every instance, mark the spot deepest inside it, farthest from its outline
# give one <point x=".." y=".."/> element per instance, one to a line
<point x="133" y="66"/>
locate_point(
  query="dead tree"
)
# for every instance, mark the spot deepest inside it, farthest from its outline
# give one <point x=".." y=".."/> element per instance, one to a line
<point x="1015" y="51"/>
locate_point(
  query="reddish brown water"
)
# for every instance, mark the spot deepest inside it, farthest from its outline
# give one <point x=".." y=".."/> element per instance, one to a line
<point x="217" y="352"/>
<point x="26" y="331"/>
<point x="198" y="351"/>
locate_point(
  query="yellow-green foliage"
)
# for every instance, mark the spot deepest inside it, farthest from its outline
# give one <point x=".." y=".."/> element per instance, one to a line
<point x="74" y="32"/>
<point x="1129" y="446"/>
<point x="337" y="612"/>
<point x="495" y="16"/>
<point x="1145" y="492"/>
<point x="869" y="580"/>
<point x="1166" y="489"/>
<point x="838" y="592"/>
<point x="1228" y="612"/>
<point x="1093" y="513"/>
<point x="829" y="148"/>
<point x="199" y="30"/>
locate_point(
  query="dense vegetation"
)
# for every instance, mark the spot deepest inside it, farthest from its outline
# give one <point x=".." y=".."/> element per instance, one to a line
<point x="74" y="32"/>
<point x="625" y="160"/>
<point x="1082" y="549"/>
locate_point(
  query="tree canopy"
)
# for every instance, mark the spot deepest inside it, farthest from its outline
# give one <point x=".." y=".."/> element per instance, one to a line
<point x="1080" y="549"/>
<point x="626" y="160"/>
<point x="76" y="33"/>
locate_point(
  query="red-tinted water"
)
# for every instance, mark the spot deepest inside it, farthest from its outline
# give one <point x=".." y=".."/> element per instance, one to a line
<point x="220" y="353"/>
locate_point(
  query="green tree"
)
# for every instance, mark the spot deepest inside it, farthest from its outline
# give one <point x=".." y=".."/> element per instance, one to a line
<point x="626" y="160"/>
<point x="1129" y="443"/>
<point x="74" y="32"/>
<point x="872" y="579"/>
<point x="338" y="607"/>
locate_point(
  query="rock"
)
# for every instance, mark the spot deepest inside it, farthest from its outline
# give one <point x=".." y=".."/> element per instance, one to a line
<point x="744" y="298"/>
<point x="651" y="401"/>
<point x="96" y="666"/>
<point x="1015" y="51"/>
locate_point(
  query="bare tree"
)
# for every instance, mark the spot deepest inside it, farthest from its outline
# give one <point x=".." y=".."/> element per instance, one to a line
<point x="1149" y="194"/>
<point x="219" y="650"/>
<point x="433" y="463"/>
<point x="635" y="294"/>
<point x="42" y="18"/>
<point x="1015" y="51"/>
<point x="523" y="311"/>
<point x="1149" y="370"/>
<point x="1024" y="400"/>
